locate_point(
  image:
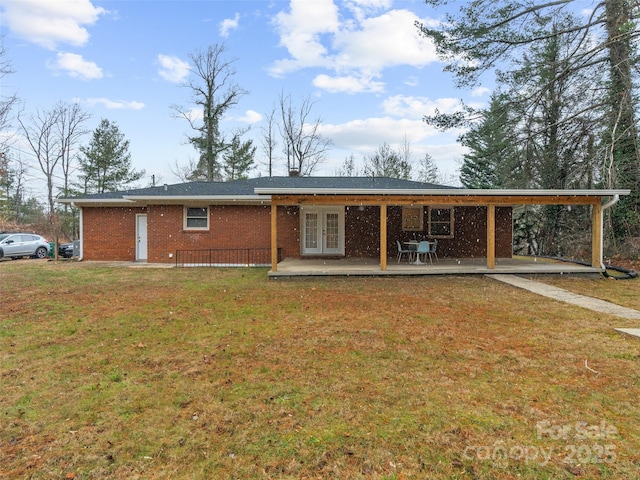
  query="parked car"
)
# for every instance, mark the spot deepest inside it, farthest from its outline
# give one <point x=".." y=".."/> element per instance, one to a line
<point x="17" y="245"/>
<point x="65" y="250"/>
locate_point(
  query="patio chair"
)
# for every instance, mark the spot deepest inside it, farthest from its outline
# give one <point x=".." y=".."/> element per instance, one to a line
<point x="433" y="246"/>
<point x="423" y="249"/>
<point x="402" y="251"/>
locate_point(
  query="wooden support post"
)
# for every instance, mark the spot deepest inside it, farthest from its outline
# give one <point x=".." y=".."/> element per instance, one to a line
<point x="596" y="235"/>
<point x="274" y="237"/>
<point x="491" y="236"/>
<point x="383" y="237"/>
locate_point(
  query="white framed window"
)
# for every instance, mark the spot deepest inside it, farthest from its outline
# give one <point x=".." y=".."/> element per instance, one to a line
<point x="196" y="218"/>
<point x="441" y="224"/>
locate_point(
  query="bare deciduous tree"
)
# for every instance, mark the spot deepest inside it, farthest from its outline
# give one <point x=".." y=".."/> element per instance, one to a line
<point x="304" y="146"/>
<point x="348" y="168"/>
<point x="40" y="131"/>
<point x="387" y="162"/>
<point x="52" y="136"/>
<point x="7" y="102"/>
<point x="184" y="172"/>
<point x="70" y="129"/>
<point x="269" y="141"/>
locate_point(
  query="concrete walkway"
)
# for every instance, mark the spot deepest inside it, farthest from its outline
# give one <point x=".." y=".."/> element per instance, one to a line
<point x="572" y="298"/>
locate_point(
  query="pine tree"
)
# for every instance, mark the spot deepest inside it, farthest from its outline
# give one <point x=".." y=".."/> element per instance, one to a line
<point x="481" y="35"/>
<point x="105" y="164"/>
<point x="238" y="159"/>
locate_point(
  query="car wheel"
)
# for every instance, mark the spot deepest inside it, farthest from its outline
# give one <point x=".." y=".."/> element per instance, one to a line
<point x="41" y="252"/>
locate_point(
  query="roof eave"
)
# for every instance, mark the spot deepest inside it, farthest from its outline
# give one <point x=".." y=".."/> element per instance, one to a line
<point x="95" y="202"/>
<point x="199" y="199"/>
<point x="438" y="192"/>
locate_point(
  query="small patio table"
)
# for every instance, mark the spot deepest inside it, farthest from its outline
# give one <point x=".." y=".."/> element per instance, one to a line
<point x="413" y="245"/>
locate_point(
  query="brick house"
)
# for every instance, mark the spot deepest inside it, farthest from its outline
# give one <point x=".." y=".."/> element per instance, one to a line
<point x="310" y="217"/>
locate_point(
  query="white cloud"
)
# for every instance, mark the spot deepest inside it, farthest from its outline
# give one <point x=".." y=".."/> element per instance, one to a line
<point x="347" y="84"/>
<point x="385" y="41"/>
<point x="250" y="117"/>
<point x="48" y="23"/>
<point x="317" y="35"/>
<point x="172" y="69"/>
<point x="75" y="66"/>
<point x="418" y="107"/>
<point x="300" y="31"/>
<point x="114" y="105"/>
<point x="362" y="8"/>
<point x="363" y="137"/>
<point x="229" y="24"/>
<point x="366" y="135"/>
<point x="412" y="81"/>
<point x="480" y="92"/>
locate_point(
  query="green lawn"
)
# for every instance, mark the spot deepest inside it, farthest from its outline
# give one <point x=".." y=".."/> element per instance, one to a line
<point x="221" y="373"/>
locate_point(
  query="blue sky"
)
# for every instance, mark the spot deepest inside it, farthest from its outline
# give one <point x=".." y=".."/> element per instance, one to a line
<point x="362" y="62"/>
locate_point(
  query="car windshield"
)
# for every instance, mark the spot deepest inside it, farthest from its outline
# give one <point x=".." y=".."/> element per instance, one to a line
<point x="3" y="236"/>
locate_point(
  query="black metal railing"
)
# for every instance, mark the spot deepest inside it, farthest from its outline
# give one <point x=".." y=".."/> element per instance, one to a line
<point x="226" y="257"/>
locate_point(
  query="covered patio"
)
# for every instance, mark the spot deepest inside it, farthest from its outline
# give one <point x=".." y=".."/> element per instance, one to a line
<point x="292" y="267"/>
<point x="486" y="231"/>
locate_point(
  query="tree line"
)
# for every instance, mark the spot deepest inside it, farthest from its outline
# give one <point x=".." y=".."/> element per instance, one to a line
<point x="291" y="135"/>
<point x="562" y="116"/>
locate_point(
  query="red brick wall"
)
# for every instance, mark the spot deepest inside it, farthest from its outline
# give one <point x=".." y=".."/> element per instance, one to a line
<point x="471" y="233"/>
<point x="109" y="233"/>
<point x="289" y="231"/>
<point x="230" y="226"/>
<point x="362" y="230"/>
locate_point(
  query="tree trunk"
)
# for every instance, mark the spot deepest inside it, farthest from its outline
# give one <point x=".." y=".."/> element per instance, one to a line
<point x="623" y="153"/>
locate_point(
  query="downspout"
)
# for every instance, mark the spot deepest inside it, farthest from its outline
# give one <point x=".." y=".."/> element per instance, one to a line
<point x="81" y="254"/>
<point x="606" y="206"/>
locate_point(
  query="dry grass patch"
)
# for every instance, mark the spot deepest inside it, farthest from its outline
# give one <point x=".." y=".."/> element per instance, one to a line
<point x="222" y="373"/>
<point x="621" y="292"/>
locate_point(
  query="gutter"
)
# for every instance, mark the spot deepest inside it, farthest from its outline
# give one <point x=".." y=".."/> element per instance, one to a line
<point x="606" y="206"/>
<point x="454" y="192"/>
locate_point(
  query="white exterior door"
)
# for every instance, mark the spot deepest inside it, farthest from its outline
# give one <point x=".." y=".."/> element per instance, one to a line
<point x="141" y="238"/>
<point x="322" y="230"/>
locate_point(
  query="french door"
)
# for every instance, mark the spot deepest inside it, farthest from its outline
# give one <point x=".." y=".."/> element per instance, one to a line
<point x="322" y="230"/>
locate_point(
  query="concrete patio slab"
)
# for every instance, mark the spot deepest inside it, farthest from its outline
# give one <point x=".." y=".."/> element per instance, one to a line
<point x="362" y="266"/>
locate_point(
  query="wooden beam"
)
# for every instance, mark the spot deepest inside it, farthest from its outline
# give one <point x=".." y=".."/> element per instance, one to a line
<point x="491" y="236"/>
<point x="596" y="235"/>
<point x="467" y="200"/>
<point x="274" y="237"/>
<point x="383" y="237"/>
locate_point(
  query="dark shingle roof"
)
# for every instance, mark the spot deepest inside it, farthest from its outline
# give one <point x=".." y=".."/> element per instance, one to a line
<point x="246" y="187"/>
